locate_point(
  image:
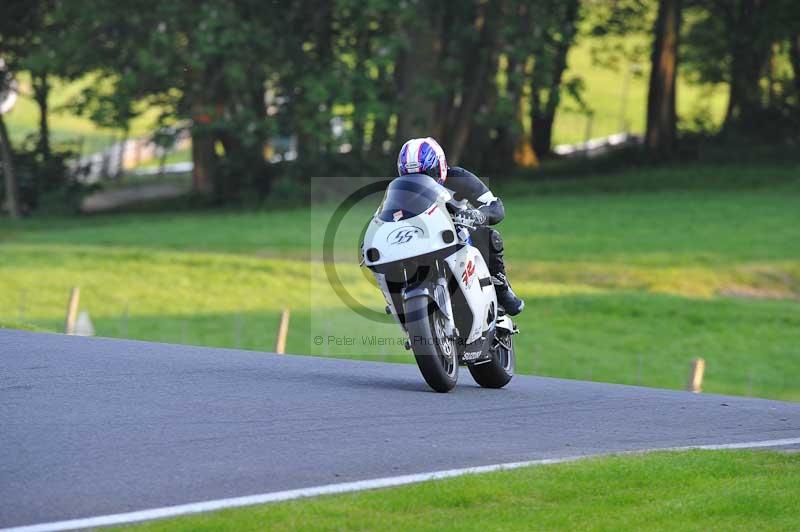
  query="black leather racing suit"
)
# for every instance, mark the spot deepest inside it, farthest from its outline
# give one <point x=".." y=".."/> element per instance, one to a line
<point x="466" y="185"/>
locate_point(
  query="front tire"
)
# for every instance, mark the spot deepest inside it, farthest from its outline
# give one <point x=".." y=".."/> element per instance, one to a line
<point x="435" y="354"/>
<point x="498" y="371"/>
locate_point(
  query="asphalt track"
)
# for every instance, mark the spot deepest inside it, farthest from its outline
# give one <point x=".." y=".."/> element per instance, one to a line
<point x="91" y="427"/>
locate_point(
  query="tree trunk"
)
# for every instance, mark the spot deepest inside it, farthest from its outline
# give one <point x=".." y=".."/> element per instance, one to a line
<point x="542" y="118"/>
<point x="661" y="135"/>
<point x="749" y="54"/>
<point x="120" y="170"/>
<point x="245" y="165"/>
<point x="498" y="153"/>
<point x="11" y="188"/>
<point x="380" y="129"/>
<point x="477" y="84"/>
<point x="261" y="171"/>
<point x="238" y="162"/>
<point x="794" y="54"/>
<point x="245" y="170"/>
<point x="542" y="134"/>
<point x="417" y="69"/>
<point x="360" y="98"/>
<point x="204" y="160"/>
<point x="41" y="90"/>
<point x="379" y="137"/>
<point x="387" y="96"/>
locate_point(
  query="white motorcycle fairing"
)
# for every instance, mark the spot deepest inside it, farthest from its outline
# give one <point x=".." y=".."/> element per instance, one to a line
<point x="399" y="244"/>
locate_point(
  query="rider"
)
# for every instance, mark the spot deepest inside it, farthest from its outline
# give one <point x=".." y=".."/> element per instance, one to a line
<point x="425" y="156"/>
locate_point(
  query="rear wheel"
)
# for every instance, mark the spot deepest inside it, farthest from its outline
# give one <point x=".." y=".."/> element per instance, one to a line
<point x="435" y="354"/>
<point x="497" y="372"/>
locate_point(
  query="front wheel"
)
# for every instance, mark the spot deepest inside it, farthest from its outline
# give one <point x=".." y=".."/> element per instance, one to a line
<point x="498" y="371"/>
<point x="435" y="354"/>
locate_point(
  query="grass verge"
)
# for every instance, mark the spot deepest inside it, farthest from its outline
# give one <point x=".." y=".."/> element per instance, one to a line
<point x="21" y="326"/>
<point x="695" y="490"/>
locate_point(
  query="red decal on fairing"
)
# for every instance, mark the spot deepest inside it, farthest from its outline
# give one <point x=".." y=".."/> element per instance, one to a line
<point x="432" y="209"/>
<point x="469" y="271"/>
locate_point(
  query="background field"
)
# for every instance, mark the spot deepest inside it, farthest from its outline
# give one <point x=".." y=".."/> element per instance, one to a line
<point x="627" y="277"/>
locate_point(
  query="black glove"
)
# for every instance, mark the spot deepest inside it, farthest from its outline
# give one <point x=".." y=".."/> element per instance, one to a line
<point x="470" y="217"/>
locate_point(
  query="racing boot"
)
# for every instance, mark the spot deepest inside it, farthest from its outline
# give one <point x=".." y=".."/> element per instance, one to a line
<point x="506" y="297"/>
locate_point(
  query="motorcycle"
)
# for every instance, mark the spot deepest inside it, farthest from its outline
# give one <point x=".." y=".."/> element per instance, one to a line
<point x="437" y="285"/>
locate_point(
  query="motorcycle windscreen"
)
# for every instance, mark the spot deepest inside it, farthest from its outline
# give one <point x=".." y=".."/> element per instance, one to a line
<point x="408" y="196"/>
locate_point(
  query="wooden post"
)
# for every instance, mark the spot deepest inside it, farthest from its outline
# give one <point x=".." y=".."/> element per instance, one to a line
<point x="696" y="375"/>
<point x="10" y="175"/>
<point x="72" y="310"/>
<point x="283" y="331"/>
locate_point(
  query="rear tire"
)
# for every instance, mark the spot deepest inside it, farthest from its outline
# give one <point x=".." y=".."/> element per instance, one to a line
<point x="436" y="355"/>
<point x="497" y="372"/>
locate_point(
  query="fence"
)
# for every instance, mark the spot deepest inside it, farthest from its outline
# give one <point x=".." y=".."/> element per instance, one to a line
<point x="126" y="155"/>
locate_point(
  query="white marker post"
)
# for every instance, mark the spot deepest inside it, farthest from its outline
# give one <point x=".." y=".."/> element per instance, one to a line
<point x="283" y="332"/>
<point x="696" y="375"/>
<point x="72" y="310"/>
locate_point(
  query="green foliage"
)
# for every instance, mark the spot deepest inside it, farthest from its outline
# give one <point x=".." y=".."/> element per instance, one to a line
<point x="748" y="45"/>
<point x="620" y="29"/>
<point x="20" y="28"/>
<point x="39" y="176"/>
<point x="343" y="83"/>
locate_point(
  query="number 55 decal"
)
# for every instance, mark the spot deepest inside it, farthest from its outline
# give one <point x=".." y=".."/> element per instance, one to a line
<point x="403" y="235"/>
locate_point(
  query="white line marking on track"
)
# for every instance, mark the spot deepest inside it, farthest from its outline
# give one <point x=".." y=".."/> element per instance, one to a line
<point x="745" y="445"/>
<point x="347" y="487"/>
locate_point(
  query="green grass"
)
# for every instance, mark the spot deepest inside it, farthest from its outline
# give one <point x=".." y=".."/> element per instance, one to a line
<point x="20" y="326"/>
<point x="697" y="490"/>
<point x="131" y="180"/>
<point x="621" y="286"/>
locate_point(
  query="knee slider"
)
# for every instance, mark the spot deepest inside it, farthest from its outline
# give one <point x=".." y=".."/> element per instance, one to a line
<point x="497" y="241"/>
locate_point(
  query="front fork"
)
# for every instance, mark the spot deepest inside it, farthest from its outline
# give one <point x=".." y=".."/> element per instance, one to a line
<point x="437" y="291"/>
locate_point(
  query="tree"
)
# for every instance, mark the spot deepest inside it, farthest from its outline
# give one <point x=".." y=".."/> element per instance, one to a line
<point x="11" y="186"/>
<point x="19" y="20"/>
<point x="549" y="68"/>
<point x="43" y="37"/>
<point x="794" y="54"/>
<point x="749" y="51"/>
<point x="445" y="70"/>
<point x="30" y="41"/>
<point x="482" y="61"/>
<point x="661" y="133"/>
<point x="419" y="80"/>
<point x="204" y="64"/>
<point x="535" y="39"/>
<point x="740" y="42"/>
<point x="40" y="82"/>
